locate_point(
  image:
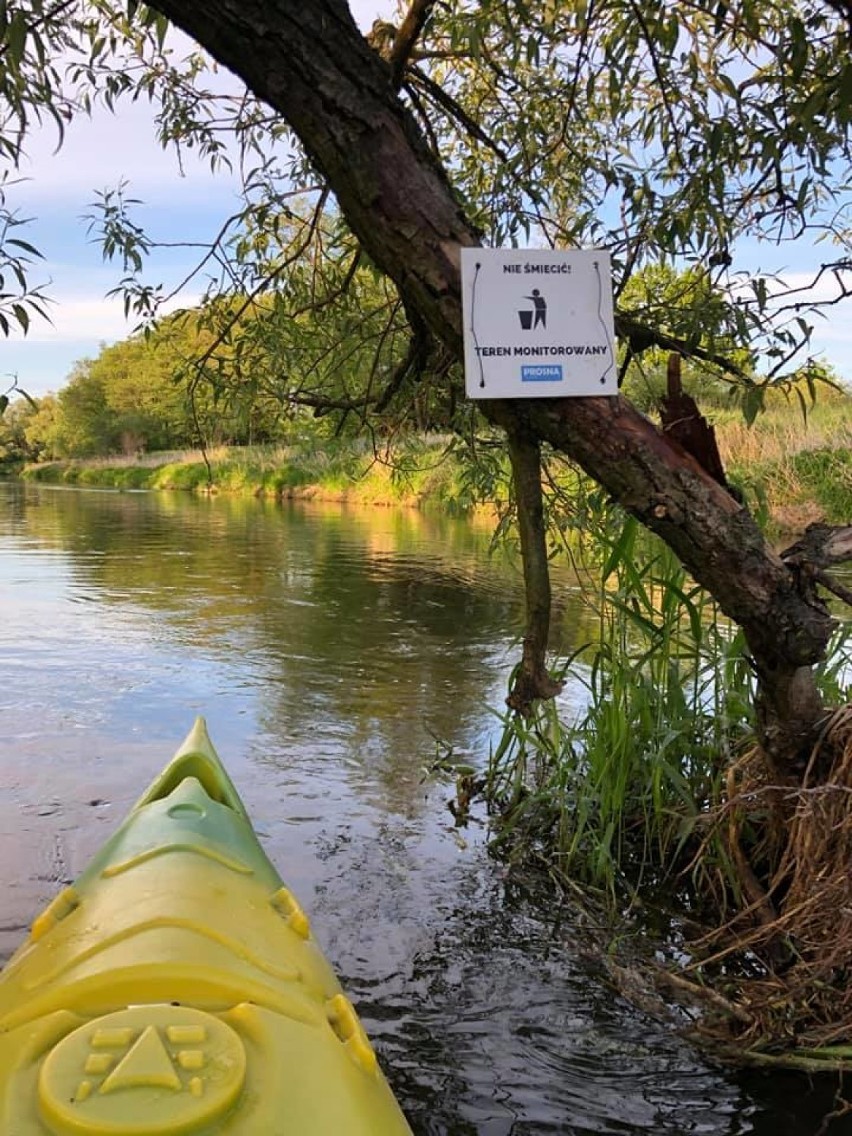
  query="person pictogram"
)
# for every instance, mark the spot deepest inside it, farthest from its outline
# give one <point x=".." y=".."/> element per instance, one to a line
<point x="538" y="315"/>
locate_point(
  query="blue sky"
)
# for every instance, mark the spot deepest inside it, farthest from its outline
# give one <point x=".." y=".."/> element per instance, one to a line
<point x="57" y="187"/>
<point x="58" y="192"/>
<point x="182" y="204"/>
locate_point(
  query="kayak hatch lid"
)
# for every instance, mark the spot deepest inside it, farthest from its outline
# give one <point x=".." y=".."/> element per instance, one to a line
<point x="196" y="757"/>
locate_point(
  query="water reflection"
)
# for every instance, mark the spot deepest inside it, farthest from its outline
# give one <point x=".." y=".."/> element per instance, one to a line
<point x="329" y="648"/>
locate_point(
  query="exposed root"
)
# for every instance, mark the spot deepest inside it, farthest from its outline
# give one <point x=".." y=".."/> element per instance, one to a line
<point x="793" y="930"/>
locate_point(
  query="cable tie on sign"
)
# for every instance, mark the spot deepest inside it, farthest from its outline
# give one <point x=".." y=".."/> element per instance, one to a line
<point x="473" y="325"/>
<point x="602" y="321"/>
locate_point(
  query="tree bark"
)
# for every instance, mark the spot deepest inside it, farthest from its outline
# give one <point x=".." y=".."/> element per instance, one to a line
<point x="312" y="65"/>
<point x="532" y="680"/>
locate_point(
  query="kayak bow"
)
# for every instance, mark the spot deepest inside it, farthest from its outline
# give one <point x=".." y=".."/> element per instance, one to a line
<point x="176" y="989"/>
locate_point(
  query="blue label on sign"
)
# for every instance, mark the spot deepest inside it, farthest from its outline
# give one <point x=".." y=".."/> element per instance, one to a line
<point x="551" y="374"/>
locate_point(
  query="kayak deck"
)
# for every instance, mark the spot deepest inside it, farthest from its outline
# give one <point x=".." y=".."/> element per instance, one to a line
<point x="176" y="988"/>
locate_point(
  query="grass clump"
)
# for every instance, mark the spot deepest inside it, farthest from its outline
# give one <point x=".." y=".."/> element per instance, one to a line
<point x="616" y="796"/>
<point x="826" y="477"/>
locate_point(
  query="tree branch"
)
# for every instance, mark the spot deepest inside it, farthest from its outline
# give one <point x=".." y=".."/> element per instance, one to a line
<point x="406" y="37"/>
<point x="821" y="546"/>
<point x="531" y="681"/>
<point x="640" y="337"/>
<point x="448" y="104"/>
<point x="415" y="357"/>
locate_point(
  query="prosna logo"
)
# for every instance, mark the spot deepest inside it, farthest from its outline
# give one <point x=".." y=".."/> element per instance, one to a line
<point x="542" y="374"/>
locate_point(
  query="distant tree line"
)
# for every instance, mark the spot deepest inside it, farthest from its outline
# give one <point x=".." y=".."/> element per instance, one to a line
<point x="228" y="373"/>
<point x="137" y="396"/>
<point x="216" y="376"/>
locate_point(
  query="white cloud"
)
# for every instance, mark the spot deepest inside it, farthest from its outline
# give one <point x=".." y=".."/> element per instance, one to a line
<point x="813" y="287"/>
<point x="832" y="323"/>
<point x="99" y="152"/>
<point x="83" y="320"/>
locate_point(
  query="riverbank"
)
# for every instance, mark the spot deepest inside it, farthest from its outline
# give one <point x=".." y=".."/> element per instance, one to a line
<point x="792" y="472"/>
<point x="412" y="475"/>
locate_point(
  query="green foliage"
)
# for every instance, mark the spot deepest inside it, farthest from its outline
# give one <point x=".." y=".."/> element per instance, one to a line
<point x="14" y="419"/>
<point x="20" y="300"/>
<point x="669" y="699"/>
<point x="133" y="398"/>
<point x="620" y="794"/>
<point x="826" y="476"/>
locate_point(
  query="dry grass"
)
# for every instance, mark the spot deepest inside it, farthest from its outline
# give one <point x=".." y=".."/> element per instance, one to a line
<point x="793" y="471"/>
<point x="775" y="438"/>
<point x="155" y="459"/>
<point x="785" y="958"/>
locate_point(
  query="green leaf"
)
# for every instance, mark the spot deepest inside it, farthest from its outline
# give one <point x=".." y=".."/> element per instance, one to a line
<point x="796" y="51"/>
<point x="25" y="246"/>
<point x="752" y="402"/>
<point x="668" y="33"/>
<point x="22" y="316"/>
<point x="16" y="40"/>
<point x="844" y="85"/>
<point x="622" y="550"/>
<point x="161" y="28"/>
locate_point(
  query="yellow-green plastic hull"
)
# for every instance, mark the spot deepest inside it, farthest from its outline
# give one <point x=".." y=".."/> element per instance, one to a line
<point x="176" y="989"/>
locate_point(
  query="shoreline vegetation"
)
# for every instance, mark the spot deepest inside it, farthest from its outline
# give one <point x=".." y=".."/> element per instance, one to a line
<point x="793" y="471"/>
<point x="349" y="471"/>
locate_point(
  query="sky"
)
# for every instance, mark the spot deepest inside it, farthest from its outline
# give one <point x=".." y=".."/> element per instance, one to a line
<point x="54" y="191"/>
<point x="179" y="204"/>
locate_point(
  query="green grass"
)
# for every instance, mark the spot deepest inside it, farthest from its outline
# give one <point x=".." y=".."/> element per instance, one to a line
<point x="93" y="476"/>
<point x="799" y="470"/>
<point x="618" y="795"/>
<point x="826" y="477"/>
<point x="414" y="471"/>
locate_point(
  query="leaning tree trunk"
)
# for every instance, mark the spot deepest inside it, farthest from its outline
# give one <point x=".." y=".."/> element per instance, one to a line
<point x="311" y="64"/>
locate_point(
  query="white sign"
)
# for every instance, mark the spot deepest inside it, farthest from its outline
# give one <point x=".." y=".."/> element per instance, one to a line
<point x="537" y="323"/>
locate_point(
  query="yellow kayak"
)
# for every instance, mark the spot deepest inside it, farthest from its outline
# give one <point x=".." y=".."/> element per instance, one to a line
<point x="176" y="988"/>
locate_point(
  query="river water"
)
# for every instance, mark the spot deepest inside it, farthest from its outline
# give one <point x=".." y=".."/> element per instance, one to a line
<point x="334" y="651"/>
